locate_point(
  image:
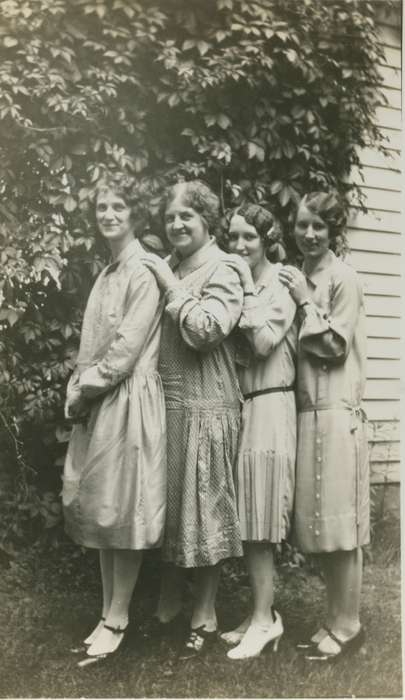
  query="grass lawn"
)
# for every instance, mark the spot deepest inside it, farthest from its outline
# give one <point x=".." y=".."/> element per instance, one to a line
<point x="50" y="602"/>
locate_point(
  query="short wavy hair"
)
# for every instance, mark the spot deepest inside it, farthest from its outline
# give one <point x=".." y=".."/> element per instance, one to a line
<point x="267" y="226"/>
<point x="329" y="206"/>
<point x="120" y="183"/>
<point x="199" y="196"/>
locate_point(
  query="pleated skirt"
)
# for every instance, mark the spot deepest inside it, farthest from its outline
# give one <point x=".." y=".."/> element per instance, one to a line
<point x="265" y="470"/>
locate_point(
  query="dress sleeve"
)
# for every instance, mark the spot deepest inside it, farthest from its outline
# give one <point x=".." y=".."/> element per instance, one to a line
<point x="328" y="334"/>
<point x="206" y="321"/>
<point x="140" y="315"/>
<point x="266" y="321"/>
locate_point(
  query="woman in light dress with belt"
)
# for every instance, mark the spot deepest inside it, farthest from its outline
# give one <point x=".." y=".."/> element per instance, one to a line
<point x="332" y="485"/>
<point x="264" y="474"/>
<point x="204" y="298"/>
<point x="114" y="492"/>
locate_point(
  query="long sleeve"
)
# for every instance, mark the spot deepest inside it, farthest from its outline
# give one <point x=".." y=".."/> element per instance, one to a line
<point x="206" y="321"/>
<point x="266" y="320"/>
<point x="119" y="359"/>
<point x="326" y="333"/>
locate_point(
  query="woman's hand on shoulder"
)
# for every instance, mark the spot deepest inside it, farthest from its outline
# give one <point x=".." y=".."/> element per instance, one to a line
<point x="243" y="270"/>
<point x="160" y="269"/>
<point x="295" y="281"/>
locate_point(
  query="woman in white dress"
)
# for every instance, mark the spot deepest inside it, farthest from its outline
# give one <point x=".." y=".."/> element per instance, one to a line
<point x="114" y="492"/>
<point x="264" y="476"/>
<point x="332" y="482"/>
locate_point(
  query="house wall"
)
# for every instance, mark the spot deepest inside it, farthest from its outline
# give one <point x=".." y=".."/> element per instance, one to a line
<point x="375" y="241"/>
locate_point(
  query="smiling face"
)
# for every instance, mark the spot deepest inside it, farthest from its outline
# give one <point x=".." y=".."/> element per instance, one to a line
<point x="113" y="216"/>
<point x="244" y="240"/>
<point x="311" y="234"/>
<point x="186" y="230"/>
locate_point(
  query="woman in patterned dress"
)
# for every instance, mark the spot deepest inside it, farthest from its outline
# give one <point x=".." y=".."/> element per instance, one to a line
<point x="114" y="492"/>
<point x="265" y="471"/>
<point x="332" y="480"/>
<point x="204" y="298"/>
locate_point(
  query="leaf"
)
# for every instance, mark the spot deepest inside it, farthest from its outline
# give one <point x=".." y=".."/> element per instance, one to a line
<point x="10" y="41"/>
<point x="203" y="47"/>
<point x="284" y="196"/>
<point x="70" y="204"/>
<point x="223" y="121"/>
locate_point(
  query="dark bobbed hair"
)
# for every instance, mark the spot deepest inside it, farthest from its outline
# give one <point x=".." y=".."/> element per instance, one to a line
<point x="197" y="195"/>
<point x="329" y="206"/>
<point x="267" y="226"/>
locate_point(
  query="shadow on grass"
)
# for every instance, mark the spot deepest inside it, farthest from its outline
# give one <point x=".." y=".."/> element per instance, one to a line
<point x="51" y="601"/>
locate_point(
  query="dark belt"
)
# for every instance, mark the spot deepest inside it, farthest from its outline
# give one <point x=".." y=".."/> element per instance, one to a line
<point x="271" y="390"/>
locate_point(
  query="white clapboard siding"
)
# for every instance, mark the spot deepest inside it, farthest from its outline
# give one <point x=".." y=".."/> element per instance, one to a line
<point x="374" y="220"/>
<point x="385" y="285"/>
<point x="381" y="306"/>
<point x="370" y="261"/>
<point x="376" y="159"/>
<point x="376" y="177"/>
<point x="389" y="117"/>
<point x="381" y="327"/>
<point x="384" y="348"/>
<point x="378" y="242"/>
<point x="393" y="97"/>
<point x="379" y="369"/>
<point x="391" y="138"/>
<point x="383" y="431"/>
<point x="375" y="242"/>
<point x="390" y="76"/>
<point x="378" y="410"/>
<point x="382" y="472"/>
<point x="382" y="200"/>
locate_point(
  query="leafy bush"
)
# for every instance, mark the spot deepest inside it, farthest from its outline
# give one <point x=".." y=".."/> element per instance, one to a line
<point x="262" y="99"/>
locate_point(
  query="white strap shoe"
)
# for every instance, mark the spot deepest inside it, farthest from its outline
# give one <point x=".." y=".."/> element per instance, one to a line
<point x="257" y="638"/>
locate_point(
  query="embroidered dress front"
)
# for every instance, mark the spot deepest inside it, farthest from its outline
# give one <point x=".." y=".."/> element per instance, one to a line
<point x="114" y="492"/>
<point x="332" y="485"/>
<point x="197" y="366"/>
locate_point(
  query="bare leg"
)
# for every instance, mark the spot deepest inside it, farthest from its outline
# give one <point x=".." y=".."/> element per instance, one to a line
<point x="106" y="569"/>
<point x="171" y="593"/>
<point x="259" y="557"/>
<point x="344" y="583"/>
<point x="207" y="580"/>
<point x="126" y="565"/>
<point x="263" y="627"/>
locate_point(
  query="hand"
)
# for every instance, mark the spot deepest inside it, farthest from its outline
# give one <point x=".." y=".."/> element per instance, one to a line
<point x="295" y="282"/>
<point x="76" y="406"/>
<point x="242" y="268"/>
<point x="161" y="270"/>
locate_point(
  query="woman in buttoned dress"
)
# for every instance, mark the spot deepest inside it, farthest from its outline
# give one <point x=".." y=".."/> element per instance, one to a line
<point x="265" y="469"/>
<point x="332" y="481"/>
<point x="204" y="298"/>
<point x="114" y="492"/>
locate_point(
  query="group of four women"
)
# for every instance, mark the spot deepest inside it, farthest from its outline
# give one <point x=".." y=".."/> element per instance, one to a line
<point x="184" y="408"/>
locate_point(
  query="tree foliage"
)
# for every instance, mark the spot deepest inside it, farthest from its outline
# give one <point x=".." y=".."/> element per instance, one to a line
<point x="265" y="99"/>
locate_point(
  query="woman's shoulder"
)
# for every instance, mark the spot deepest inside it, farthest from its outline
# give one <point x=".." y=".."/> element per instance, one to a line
<point x="343" y="272"/>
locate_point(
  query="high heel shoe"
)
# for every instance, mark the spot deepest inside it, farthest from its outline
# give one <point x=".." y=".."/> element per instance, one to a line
<point x="344" y="647"/>
<point x="312" y="642"/>
<point x="93" y="657"/>
<point x="257" y="638"/>
<point x="90" y="639"/>
<point x="235" y="636"/>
